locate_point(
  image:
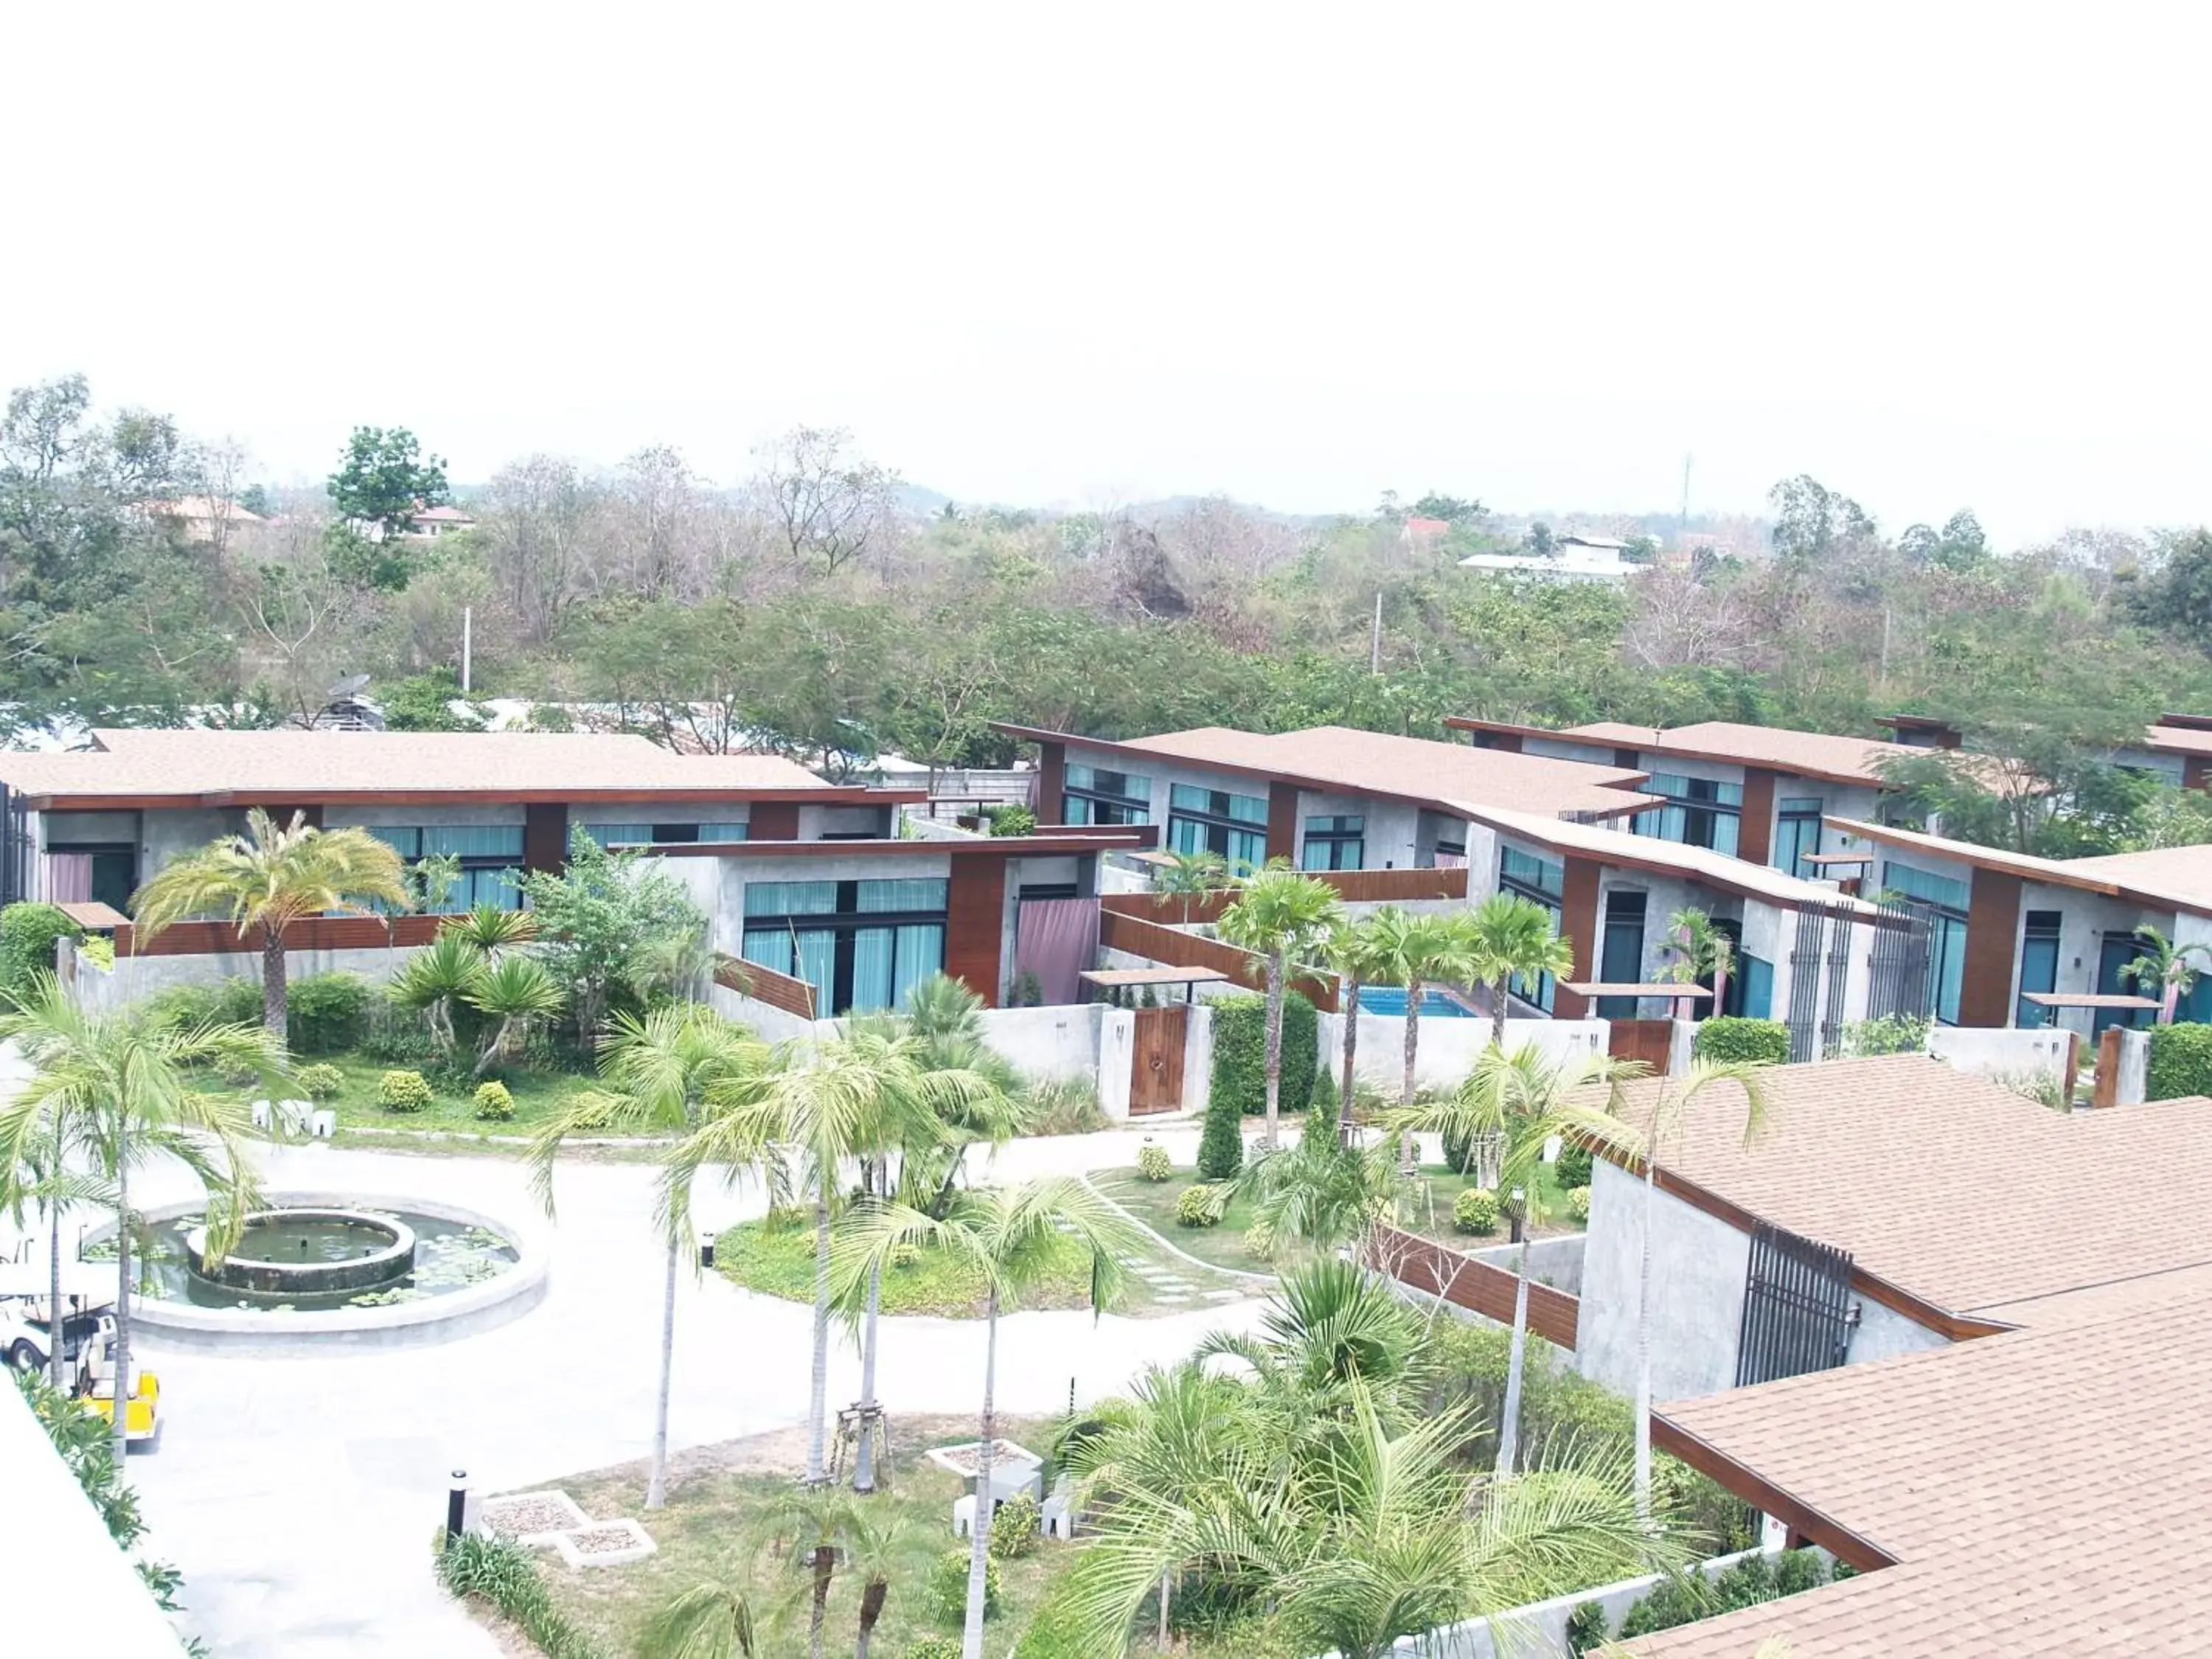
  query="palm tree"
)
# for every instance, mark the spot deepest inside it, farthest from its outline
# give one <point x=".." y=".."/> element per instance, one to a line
<point x="492" y="928"/>
<point x="1356" y="953"/>
<point x="708" y="1621"/>
<point x="879" y="1546"/>
<point x="1702" y="952"/>
<point x="816" y="1522"/>
<point x="446" y="971"/>
<point x="1519" y="1101"/>
<point x="660" y="1070"/>
<point x="120" y="1089"/>
<point x="1015" y="1237"/>
<point x="44" y="1178"/>
<point x="1512" y="938"/>
<point x="2169" y="967"/>
<point x="829" y="1102"/>
<point x="270" y="878"/>
<point x="514" y="991"/>
<point x="1662" y="1122"/>
<point x="1188" y="876"/>
<point x="1416" y="952"/>
<point x="1281" y="915"/>
<point x="1321" y="1194"/>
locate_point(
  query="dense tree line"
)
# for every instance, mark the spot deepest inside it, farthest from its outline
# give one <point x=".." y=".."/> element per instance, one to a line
<point x="814" y="608"/>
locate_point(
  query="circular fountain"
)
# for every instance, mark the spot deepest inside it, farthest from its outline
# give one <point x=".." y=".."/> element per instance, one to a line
<point x="293" y="1256"/>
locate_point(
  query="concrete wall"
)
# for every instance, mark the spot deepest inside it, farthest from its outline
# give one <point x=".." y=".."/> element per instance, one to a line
<point x="1539" y="1629"/>
<point x="1048" y="1042"/>
<point x="1556" y="1261"/>
<point x="1447" y="1048"/>
<point x="133" y="978"/>
<point x="1984" y="1051"/>
<point x="1885" y="1334"/>
<point x="1698" y="1265"/>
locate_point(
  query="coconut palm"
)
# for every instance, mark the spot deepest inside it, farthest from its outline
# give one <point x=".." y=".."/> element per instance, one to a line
<point x="2172" y="968"/>
<point x="708" y="1621"/>
<point x="829" y="1101"/>
<point x="1356" y="952"/>
<point x="1702" y="952"/>
<point x="1668" y="1104"/>
<point x="450" y="968"/>
<point x="1512" y="938"/>
<point x="268" y="878"/>
<point x="1014" y="1238"/>
<point x="660" y="1072"/>
<point x="1282" y="917"/>
<point x="1418" y="951"/>
<point x="1519" y="1101"/>
<point x="514" y="991"/>
<point x="1188" y="876"/>
<point x="120" y="1091"/>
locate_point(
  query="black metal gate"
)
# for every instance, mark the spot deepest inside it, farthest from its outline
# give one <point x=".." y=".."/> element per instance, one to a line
<point x="14" y="848"/>
<point x="1797" y="1312"/>
<point x="1820" y="957"/>
<point x="1903" y="945"/>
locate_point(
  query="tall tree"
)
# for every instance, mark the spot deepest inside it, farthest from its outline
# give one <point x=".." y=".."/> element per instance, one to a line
<point x="1283" y="917"/>
<point x="1359" y="953"/>
<point x="385" y="480"/>
<point x="268" y="878"/>
<point x="600" y="920"/>
<point x="830" y="504"/>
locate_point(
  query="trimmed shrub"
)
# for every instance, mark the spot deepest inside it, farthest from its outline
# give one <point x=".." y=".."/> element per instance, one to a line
<point x="403" y="1091"/>
<point x="1011" y="819"/>
<point x="934" y="1647"/>
<point x="1221" y="1143"/>
<point x="1578" y="1203"/>
<point x="326" y="1014"/>
<point x="1014" y="1528"/>
<point x="1892" y="1034"/>
<point x="233" y="1001"/>
<point x="494" y="1103"/>
<point x="1153" y="1163"/>
<point x="1476" y="1210"/>
<point x="1573" y="1168"/>
<point x="2180" y="1061"/>
<point x="948" y="1587"/>
<point x="1199" y="1206"/>
<point x="1240" y="1052"/>
<point x="320" y="1084"/>
<point x="29" y="933"/>
<point x="1733" y="1039"/>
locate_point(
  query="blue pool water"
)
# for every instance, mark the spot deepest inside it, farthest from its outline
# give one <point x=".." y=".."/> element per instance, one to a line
<point x="1391" y="1000"/>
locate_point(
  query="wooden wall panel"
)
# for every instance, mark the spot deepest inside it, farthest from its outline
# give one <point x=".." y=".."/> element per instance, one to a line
<point x="1992" y="935"/>
<point x="1353" y="886"/>
<point x="1282" y="822"/>
<point x="773" y="820"/>
<point x="1178" y="948"/>
<point x="975" y="916"/>
<point x="1052" y="783"/>
<point x="545" y="835"/>
<point x="2196" y="771"/>
<point x="1466" y="1283"/>
<point x="750" y="979"/>
<point x="1579" y="921"/>
<point x="1755" y="838"/>
<point x="201" y="939"/>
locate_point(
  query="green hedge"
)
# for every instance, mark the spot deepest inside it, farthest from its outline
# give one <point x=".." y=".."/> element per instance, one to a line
<point x="27" y="935"/>
<point x="1240" y="1052"/>
<point x="1730" y="1038"/>
<point x="2180" y="1061"/>
<point x="325" y="1013"/>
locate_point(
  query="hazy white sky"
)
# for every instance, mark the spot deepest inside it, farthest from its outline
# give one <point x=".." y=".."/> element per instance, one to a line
<point x="1937" y="255"/>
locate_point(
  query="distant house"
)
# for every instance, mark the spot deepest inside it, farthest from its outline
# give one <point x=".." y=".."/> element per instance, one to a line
<point x="1579" y="559"/>
<point x="203" y="519"/>
<point x="431" y="522"/>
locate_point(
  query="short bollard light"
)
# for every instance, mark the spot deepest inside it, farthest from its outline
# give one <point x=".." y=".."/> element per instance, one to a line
<point x="457" y="1505"/>
<point x="706" y="1251"/>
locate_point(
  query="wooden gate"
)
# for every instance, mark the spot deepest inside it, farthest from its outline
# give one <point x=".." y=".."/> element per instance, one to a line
<point x="1156" y="1059"/>
<point x="1647" y="1040"/>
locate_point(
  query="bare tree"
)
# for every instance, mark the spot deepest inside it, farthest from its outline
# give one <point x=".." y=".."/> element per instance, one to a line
<point x="537" y="521"/>
<point x="829" y="503"/>
<point x="306" y="618"/>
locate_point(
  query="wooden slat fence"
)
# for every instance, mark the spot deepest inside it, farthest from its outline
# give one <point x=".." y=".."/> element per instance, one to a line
<point x="1353" y="886"/>
<point x="1476" y="1285"/>
<point x="1155" y="942"/>
<point x="750" y="979"/>
<point x="204" y="939"/>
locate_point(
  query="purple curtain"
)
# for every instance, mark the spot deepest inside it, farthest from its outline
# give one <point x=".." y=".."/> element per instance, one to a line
<point x="69" y="878"/>
<point x="1057" y="939"/>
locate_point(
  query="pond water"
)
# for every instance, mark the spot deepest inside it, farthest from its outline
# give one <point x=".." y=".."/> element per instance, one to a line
<point x="449" y="1257"/>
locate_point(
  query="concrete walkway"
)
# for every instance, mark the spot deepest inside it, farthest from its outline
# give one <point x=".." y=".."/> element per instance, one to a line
<point x="300" y="1496"/>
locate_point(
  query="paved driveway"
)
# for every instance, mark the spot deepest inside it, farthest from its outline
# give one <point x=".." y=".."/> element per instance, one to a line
<point x="300" y="1496"/>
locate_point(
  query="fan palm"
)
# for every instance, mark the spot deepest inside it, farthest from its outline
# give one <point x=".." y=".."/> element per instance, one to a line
<point x="450" y="968"/>
<point x="514" y="991"/>
<point x="1014" y="1238"/>
<point x="119" y="1089"/>
<point x="268" y="878"/>
<point x="1356" y="952"/>
<point x="1519" y="1101"/>
<point x="1281" y="915"/>
<point x="1669" y="1103"/>
<point x="2172" y="968"/>
<point x="660" y="1072"/>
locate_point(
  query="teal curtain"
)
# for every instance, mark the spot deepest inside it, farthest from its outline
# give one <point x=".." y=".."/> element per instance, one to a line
<point x="790" y="898"/>
<point x="873" y="949"/>
<point x="473" y="840"/>
<point x="610" y="835"/>
<point x="913" y="896"/>
<point x="921" y="953"/>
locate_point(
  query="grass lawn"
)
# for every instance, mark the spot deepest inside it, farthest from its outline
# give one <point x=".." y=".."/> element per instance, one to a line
<point x="1432" y="1215"/>
<point x="538" y="1096"/>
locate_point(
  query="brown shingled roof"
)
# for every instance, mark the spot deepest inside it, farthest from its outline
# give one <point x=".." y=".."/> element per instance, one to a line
<point x="2046" y="1492"/>
<point x="219" y="767"/>
<point x="1808" y="754"/>
<point x="1951" y="1187"/>
<point x="1443" y="774"/>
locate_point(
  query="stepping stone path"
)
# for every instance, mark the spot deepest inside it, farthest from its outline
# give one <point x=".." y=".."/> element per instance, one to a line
<point x="552" y="1520"/>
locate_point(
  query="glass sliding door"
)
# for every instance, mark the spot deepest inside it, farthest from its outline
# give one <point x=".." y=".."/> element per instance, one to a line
<point x="2039" y="966"/>
<point x="861" y="944"/>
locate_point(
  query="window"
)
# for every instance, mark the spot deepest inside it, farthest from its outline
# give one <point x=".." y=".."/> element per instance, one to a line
<point x="861" y="944"/>
<point x="490" y="856"/>
<point x="662" y="834"/>
<point x="1797" y="836"/>
<point x="1947" y="899"/>
<point x="1091" y="794"/>
<point x="1336" y="843"/>
<point x="1621" y="960"/>
<point x="1541" y="882"/>
<point x="1757" y="997"/>
<point x="2039" y="966"/>
<point x="1232" y="826"/>
<point x="114" y="869"/>
<point x="1698" y="813"/>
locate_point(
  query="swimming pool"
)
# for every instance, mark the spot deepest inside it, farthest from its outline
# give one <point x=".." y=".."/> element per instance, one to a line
<point x="1391" y="1000"/>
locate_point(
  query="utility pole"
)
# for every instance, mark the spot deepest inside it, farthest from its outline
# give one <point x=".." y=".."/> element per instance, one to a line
<point x="1375" y="638"/>
<point x="468" y="644"/>
<point x="1682" y="525"/>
